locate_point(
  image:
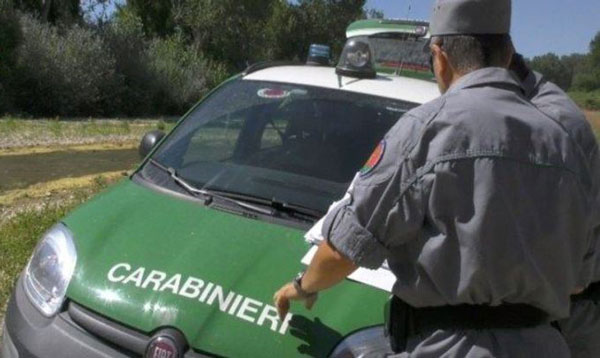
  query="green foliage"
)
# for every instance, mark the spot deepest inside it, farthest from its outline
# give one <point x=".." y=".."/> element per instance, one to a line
<point x="165" y="75"/>
<point x="553" y="69"/>
<point x="229" y="30"/>
<point x="65" y="74"/>
<point x="156" y="15"/>
<point x="17" y="239"/>
<point x="595" y="50"/>
<point x="239" y="32"/>
<point x="588" y="100"/>
<point x="325" y="21"/>
<point x="293" y="27"/>
<point x="281" y="34"/>
<point x="588" y="77"/>
<point x="374" y="14"/>
<point x="184" y="75"/>
<point x="10" y="36"/>
<point x="161" y="125"/>
<point x="156" y="57"/>
<point x="66" y="12"/>
<point x="126" y="42"/>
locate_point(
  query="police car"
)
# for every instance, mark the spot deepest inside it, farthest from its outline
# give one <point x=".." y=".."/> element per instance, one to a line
<point x="182" y="258"/>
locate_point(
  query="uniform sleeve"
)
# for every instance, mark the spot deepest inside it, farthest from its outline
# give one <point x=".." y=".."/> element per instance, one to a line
<point x="384" y="209"/>
<point x="590" y="271"/>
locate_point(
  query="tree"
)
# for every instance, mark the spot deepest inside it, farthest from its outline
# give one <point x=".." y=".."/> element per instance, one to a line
<point x="282" y="34"/>
<point x="588" y="77"/>
<point x="156" y="15"/>
<point x="374" y="14"/>
<point x="53" y="11"/>
<point x="553" y="69"/>
<point x="595" y="51"/>
<point x="325" y="21"/>
<point x="10" y="36"/>
<point x="62" y="71"/>
<point x="229" y="31"/>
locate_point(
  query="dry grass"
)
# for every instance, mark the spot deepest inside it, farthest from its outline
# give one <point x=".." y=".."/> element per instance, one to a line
<point x="13" y="202"/>
<point x="18" y="133"/>
<point x="594" y="118"/>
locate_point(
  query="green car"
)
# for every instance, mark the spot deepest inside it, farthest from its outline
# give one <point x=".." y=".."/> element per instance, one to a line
<point x="182" y="258"/>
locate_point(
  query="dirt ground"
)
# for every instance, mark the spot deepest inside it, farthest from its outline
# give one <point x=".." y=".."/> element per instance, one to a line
<point x="594" y="118"/>
<point x="21" y="171"/>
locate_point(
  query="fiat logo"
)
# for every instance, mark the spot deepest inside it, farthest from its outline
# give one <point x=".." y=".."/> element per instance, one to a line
<point x="162" y="347"/>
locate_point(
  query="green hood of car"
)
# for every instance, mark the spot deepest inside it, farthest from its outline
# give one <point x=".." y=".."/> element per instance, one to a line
<point x="150" y="260"/>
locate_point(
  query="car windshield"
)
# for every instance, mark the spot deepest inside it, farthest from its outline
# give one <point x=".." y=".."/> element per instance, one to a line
<point x="296" y="144"/>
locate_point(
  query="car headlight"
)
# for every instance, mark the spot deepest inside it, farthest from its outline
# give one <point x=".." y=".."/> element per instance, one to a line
<point x="50" y="269"/>
<point x="370" y="342"/>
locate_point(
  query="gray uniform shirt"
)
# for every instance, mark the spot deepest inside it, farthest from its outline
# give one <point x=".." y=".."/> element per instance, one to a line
<point x="471" y="201"/>
<point x="555" y="103"/>
<point x="582" y="329"/>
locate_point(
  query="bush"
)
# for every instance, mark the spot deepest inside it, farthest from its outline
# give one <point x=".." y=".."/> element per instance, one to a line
<point x="587" y="100"/>
<point x="184" y="75"/>
<point x="164" y="76"/>
<point x="137" y="87"/>
<point x="587" y="80"/>
<point x="63" y="73"/>
<point x="112" y="70"/>
<point x="10" y="35"/>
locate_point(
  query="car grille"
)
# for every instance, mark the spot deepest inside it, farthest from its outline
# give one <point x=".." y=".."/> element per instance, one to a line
<point x="115" y="334"/>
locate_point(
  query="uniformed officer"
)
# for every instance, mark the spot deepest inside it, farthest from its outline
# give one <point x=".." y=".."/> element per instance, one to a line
<point x="469" y="198"/>
<point x="582" y="328"/>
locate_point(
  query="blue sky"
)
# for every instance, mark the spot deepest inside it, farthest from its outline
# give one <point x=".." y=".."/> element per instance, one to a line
<point x="538" y="26"/>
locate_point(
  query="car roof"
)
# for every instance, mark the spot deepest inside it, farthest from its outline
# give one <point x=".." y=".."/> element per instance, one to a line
<point x="370" y="27"/>
<point x="389" y="86"/>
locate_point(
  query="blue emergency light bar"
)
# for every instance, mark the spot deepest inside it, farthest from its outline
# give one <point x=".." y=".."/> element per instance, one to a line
<point x="319" y="55"/>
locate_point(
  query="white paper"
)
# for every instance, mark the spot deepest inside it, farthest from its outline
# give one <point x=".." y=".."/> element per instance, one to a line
<point x="381" y="278"/>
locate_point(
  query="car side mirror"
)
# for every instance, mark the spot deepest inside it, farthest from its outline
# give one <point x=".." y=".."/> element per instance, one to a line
<point x="149" y="141"/>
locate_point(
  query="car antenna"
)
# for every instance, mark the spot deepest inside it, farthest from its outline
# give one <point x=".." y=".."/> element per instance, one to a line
<point x="408" y="10"/>
<point x="400" y="64"/>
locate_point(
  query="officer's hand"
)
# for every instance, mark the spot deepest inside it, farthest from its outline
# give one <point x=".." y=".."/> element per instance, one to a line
<point x="289" y="293"/>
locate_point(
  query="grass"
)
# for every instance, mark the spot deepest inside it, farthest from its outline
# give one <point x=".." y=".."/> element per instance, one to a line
<point x="17" y="239"/>
<point x="19" y="235"/>
<point x="15" y="132"/>
<point x="587" y="100"/>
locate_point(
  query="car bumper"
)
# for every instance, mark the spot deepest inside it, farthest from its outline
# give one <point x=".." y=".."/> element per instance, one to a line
<point x="29" y="334"/>
<point x="7" y="347"/>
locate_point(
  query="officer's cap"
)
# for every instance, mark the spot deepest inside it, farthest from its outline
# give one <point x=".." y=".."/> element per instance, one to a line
<point x="470" y="17"/>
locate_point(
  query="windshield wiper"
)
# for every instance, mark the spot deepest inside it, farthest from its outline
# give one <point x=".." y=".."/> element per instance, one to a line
<point x="278" y="205"/>
<point x="208" y="193"/>
<point x="295" y="209"/>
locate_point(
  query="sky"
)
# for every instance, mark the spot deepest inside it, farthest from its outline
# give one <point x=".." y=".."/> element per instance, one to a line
<point x="538" y="26"/>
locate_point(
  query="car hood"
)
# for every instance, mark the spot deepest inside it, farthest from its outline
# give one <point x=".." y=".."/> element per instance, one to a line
<point x="149" y="260"/>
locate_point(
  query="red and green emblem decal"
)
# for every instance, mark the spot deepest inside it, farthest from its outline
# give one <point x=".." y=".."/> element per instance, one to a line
<point x="374" y="159"/>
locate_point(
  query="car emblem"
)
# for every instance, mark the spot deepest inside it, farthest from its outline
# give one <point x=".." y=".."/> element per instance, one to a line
<point x="162" y="346"/>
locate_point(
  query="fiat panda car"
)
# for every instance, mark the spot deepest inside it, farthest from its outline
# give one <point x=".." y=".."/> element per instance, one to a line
<point x="182" y="258"/>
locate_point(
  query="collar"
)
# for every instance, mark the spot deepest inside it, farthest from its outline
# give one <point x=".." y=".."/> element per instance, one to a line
<point x="489" y="76"/>
<point x="532" y="83"/>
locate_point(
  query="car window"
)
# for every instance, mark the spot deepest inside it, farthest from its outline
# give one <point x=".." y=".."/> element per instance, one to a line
<point x="403" y="52"/>
<point x="298" y="144"/>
